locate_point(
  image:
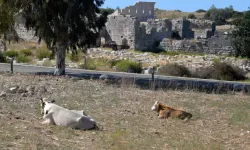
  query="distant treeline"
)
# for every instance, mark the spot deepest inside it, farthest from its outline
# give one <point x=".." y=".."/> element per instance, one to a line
<point x="221" y="15"/>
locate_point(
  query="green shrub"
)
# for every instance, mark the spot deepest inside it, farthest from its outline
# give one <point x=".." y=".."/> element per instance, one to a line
<point x="200" y="10"/>
<point x="23" y="59"/>
<point x="113" y="62"/>
<point x="128" y="66"/>
<point x="91" y="64"/>
<point x="26" y="52"/>
<point x="75" y="56"/>
<point x="224" y="71"/>
<point x="220" y="71"/>
<point x="191" y="16"/>
<point x="47" y="63"/>
<point x="42" y="53"/>
<point x="2" y="58"/>
<point x="174" y="70"/>
<point x="99" y="64"/>
<point x="11" y="53"/>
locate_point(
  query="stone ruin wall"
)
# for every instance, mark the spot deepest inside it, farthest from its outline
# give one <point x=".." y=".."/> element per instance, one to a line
<point x="152" y="31"/>
<point x="21" y="33"/>
<point x="143" y="35"/>
<point x="202" y="28"/>
<point x="182" y="26"/>
<point x="121" y="30"/>
<point x="219" y="44"/>
<point x="142" y="10"/>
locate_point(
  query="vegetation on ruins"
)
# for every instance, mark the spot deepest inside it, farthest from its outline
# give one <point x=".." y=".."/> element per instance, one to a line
<point x="241" y="35"/>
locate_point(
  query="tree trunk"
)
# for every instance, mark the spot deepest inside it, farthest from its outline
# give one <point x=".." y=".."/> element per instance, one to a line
<point x="60" y="58"/>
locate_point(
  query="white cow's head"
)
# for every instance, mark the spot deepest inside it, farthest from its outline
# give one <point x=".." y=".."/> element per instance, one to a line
<point x="155" y="107"/>
<point x="43" y="102"/>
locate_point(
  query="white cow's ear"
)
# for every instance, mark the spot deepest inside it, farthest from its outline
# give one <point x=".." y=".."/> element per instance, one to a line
<point x="41" y="101"/>
<point x="44" y="100"/>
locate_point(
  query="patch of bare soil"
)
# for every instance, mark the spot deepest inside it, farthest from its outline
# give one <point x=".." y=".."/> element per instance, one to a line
<point x="123" y="114"/>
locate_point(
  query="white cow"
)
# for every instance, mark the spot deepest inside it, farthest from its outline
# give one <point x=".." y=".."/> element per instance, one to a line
<point x="57" y="115"/>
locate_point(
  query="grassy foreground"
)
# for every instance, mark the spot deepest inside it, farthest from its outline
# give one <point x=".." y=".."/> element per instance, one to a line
<point x="124" y="115"/>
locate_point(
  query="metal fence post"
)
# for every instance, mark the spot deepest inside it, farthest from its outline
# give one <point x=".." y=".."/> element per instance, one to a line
<point x="85" y="62"/>
<point x="11" y="64"/>
<point x="153" y="78"/>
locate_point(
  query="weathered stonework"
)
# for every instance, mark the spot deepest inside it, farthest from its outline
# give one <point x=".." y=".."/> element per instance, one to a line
<point x="20" y="33"/>
<point x="182" y="26"/>
<point x="219" y="44"/>
<point x="202" y="28"/>
<point x="136" y="28"/>
<point x="142" y="10"/>
<point x="121" y="29"/>
<point x="151" y="32"/>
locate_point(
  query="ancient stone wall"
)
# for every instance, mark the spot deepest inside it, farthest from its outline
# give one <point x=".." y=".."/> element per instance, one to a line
<point x="182" y="26"/>
<point x="121" y="30"/>
<point x="202" y="28"/>
<point x="24" y="34"/>
<point x="219" y="44"/>
<point x="149" y="33"/>
<point x="142" y="10"/>
<point x="20" y="32"/>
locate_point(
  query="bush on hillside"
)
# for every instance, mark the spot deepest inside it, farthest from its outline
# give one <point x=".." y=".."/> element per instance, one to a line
<point x="174" y="69"/>
<point x="75" y="55"/>
<point x="128" y="66"/>
<point x="221" y="71"/>
<point x="11" y="53"/>
<point x="26" y="52"/>
<point x="200" y="10"/>
<point x="23" y="59"/>
<point x="99" y="64"/>
<point x="42" y="53"/>
<point x="191" y="16"/>
<point x="224" y="71"/>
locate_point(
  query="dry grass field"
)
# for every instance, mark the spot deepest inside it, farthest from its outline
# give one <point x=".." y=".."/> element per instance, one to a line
<point x="124" y="116"/>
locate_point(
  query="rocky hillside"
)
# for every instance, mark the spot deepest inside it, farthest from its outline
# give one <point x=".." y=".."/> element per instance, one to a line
<point x="192" y="62"/>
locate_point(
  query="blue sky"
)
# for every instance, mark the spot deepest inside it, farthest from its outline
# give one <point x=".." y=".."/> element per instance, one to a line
<point x="183" y="5"/>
